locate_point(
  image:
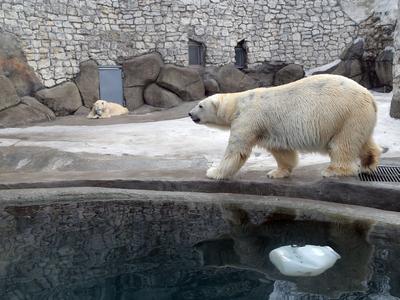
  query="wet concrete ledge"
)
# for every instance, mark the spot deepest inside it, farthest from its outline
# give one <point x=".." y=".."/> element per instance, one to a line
<point x="304" y="208"/>
<point x="385" y="196"/>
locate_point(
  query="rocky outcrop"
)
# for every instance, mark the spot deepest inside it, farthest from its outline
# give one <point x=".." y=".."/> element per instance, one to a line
<point x="211" y="86"/>
<point x="395" y="104"/>
<point x="371" y="70"/>
<point x="349" y="68"/>
<point x="134" y="97"/>
<point x="142" y="70"/>
<point x="231" y="80"/>
<point x="384" y="67"/>
<point x="289" y="73"/>
<point x="184" y="82"/>
<point x="8" y="94"/>
<point x="353" y="51"/>
<point x="48" y="114"/>
<point x="157" y="96"/>
<point x="14" y="66"/>
<point x="63" y="99"/>
<point x="25" y="114"/>
<point x="138" y="73"/>
<point x="82" y="111"/>
<point x="87" y="82"/>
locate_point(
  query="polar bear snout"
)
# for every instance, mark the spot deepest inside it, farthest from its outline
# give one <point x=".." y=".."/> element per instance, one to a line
<point x="194" y="117"/>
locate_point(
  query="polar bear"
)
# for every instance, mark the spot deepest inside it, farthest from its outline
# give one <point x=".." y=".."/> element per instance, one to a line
<point x="102" y="109"/>
<point x="323" y="113"/>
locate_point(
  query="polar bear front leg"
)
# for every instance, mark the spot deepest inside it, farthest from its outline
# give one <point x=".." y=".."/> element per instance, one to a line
<point x="236" y="154"/>
<point x="286" y="160"/>
<point x="92" y="114"/>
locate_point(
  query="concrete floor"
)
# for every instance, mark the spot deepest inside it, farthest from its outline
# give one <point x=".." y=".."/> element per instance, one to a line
<point x="164" y="150"/>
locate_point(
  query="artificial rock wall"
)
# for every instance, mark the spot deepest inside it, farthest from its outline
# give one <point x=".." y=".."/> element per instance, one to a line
<point x="58" y="35"/>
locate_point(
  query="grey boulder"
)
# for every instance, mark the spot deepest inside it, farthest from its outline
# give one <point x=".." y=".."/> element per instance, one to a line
<point x="21" y="115"/>
<point x="231" y="80"/>
<point x="211" y="86"/>
<point x="87" y="82"/>
<point x="8" y="94"/>
<point x="14" y="65"/>
<point x="349" y="68"/>
<point x="185" y="82"/>
<point x="63" y="99"/>
<point x="289" y="73"/>
<point x="157" y="96"/>
<point x="142" y="70"/>
<point x="35" y="104"/>
<point x="133" y="97"/>
<point x="384" y="67"/>
<point x="82" y="111"/>
<point x="353" y="51"/>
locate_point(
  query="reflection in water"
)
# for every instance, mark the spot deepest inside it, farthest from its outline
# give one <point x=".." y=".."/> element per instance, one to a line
<point x="150" y="250"/>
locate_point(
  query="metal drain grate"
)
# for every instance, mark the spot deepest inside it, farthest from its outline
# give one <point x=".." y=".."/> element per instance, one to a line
<point x="382" y="174"/>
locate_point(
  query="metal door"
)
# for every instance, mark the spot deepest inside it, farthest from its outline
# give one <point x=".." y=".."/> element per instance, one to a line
<point x="111" y="84"/>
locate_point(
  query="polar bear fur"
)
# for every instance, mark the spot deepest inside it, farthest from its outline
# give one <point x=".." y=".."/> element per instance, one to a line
<point x="102" y="109"/>
<point x="323" y="113"/>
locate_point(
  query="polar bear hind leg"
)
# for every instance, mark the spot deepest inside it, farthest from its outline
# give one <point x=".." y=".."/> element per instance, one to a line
<point x="286" y="160"/>
<point x="344" y="149"/>
<point x="369" y="156"/>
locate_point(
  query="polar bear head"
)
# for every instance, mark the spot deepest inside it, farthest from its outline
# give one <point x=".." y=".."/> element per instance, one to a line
<point x="213" y="110"/>
<point x="99" y="107"/>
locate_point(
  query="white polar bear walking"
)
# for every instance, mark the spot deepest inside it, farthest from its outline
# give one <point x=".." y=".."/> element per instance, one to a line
<point x="102" y="109"/>
<point x="322" y="113"/>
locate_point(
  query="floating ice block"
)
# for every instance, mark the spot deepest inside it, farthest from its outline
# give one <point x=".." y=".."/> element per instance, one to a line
<point x="308" y="260"/>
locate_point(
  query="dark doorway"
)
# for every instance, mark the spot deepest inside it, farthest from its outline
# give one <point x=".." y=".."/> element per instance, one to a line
<point x="241" y="55"/>
<point x="111" y="84"/>
<point x="197" y="52"/>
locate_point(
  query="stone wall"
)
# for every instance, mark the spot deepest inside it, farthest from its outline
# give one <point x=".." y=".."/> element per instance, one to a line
<point x="58" y="35"/>
<point x="395" y="105"/>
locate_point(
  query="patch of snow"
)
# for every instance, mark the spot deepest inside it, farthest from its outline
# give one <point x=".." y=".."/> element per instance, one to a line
<point x="22" y="163"/>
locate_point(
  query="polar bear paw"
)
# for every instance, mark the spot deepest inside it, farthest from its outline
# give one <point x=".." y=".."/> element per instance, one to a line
<point x="278" y="173"/>
<point x="214" y="173"/>
<point x="336" y="171"/>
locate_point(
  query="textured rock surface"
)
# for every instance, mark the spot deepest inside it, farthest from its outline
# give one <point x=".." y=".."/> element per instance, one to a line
<point x="184" y="82"/>
<point x="8" y="95"/>
<point x="395" y="105"/>
<point x="139" y="72"/>
<point x="13" y="64"/>
<point x="21" y="115"/>
<point x="142" y="70"/>
<point x="211" y="86"/>
<point x="157" y="96"/>
<point x="262" y="79"/>
<point x="133" y="97"/>
<point x="58" y="36"/>
<point x="289" y="73"/>
<point x="34" y="103"/>
<point x="82" y="111"/>
<point x="63" y="99"/>
<point x="349" y="68"/>
<point x="384" y="67"/>
<point x="353" y="51"/>
<point x="88" y="82"/>
<point x="231" y="80"/>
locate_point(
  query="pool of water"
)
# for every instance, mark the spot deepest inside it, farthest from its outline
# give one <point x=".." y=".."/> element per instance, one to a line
<point x="144" y="249"/>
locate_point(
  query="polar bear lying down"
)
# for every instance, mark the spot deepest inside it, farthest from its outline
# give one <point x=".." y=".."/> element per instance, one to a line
<point x="323" y="113"/>
<point x="102" y="109"/>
